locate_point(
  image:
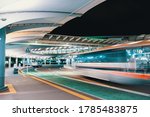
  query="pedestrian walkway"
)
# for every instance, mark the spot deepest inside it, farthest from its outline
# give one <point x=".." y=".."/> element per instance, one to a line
<point x="30" y="89"/>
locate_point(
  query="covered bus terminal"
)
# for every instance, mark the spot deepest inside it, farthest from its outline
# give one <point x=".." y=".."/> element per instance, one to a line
<point x="73" y="50"/>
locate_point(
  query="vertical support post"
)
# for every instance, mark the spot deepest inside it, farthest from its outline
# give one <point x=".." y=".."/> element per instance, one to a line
<point x="45" y="61"/>
<point x="23" y="59"/>
<point x="50" y="61"/>
<point x="58" y="61"/>
<point x="9" y="66"/>
<point x="2" y="59"/>
<point x="16" y="62"/>
<point x="28" y="64"/>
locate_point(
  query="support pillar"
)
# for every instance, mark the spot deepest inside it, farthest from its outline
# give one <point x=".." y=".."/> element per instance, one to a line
<point x="16" y="62"/>
<point x="9" y="62"/>
<point x="45" y="61"/>
<point x="23" y="59"/>
<point x="2" y="59"/>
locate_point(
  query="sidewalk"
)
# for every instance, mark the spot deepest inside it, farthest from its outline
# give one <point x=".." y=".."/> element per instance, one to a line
<point x="30" y="89"/>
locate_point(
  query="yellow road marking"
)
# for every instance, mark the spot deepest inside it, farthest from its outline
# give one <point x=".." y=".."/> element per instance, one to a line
<point x="11" y="90"/>
<point x="20" y="73"/>
<point x="61" y="88"/>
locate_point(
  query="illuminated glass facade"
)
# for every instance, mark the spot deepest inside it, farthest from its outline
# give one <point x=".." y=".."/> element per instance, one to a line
<point x="139" y="56"/>
<point x="112" y="56"/>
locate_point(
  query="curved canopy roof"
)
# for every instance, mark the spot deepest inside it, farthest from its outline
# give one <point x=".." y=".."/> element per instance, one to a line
<point x="32" y="19"/>
<point x="57" y="11"/>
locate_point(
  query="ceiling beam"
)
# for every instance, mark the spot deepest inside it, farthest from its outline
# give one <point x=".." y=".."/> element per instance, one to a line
<point x="78" y="39"/>
<point x="65" y="38"/>
<point x="95" y="41"/>
<point x="58" y="37"/>
<point x="71" y="39"/>
<point x="84" y="39"/>
<point x="89" y="40"/>
<point x="50" y="36"/>
<point x="18" y="27"/>
<point x="59" y="12"/>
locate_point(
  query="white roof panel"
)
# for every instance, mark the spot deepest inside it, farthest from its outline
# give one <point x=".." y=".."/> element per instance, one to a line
<point x="43" y="5"/>
<point x="40" y="11"/>
<point x="12" y="11"/>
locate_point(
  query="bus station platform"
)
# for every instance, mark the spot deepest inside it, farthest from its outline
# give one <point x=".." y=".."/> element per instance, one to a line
<point x="24" y="88"/>
<point x="63" y="84"/>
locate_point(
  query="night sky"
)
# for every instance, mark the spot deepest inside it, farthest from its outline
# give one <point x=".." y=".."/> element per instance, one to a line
<point x="112" y="17"/>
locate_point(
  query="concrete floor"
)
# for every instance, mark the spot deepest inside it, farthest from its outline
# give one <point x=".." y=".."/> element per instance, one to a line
<point x="33" y="89"/>
<point x="30" y="89"/>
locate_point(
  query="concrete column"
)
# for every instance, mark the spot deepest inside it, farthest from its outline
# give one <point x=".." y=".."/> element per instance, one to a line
<point x="45" y="61"/>
<point x="2" y="59"/>
<point x="50" y="62"/>
<point x="16" y="62"/>
<point x="9" y="62"/>
<point x="67" y="61"/>
<point x="58" y="61"/>
<point x="23" y="62"/>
